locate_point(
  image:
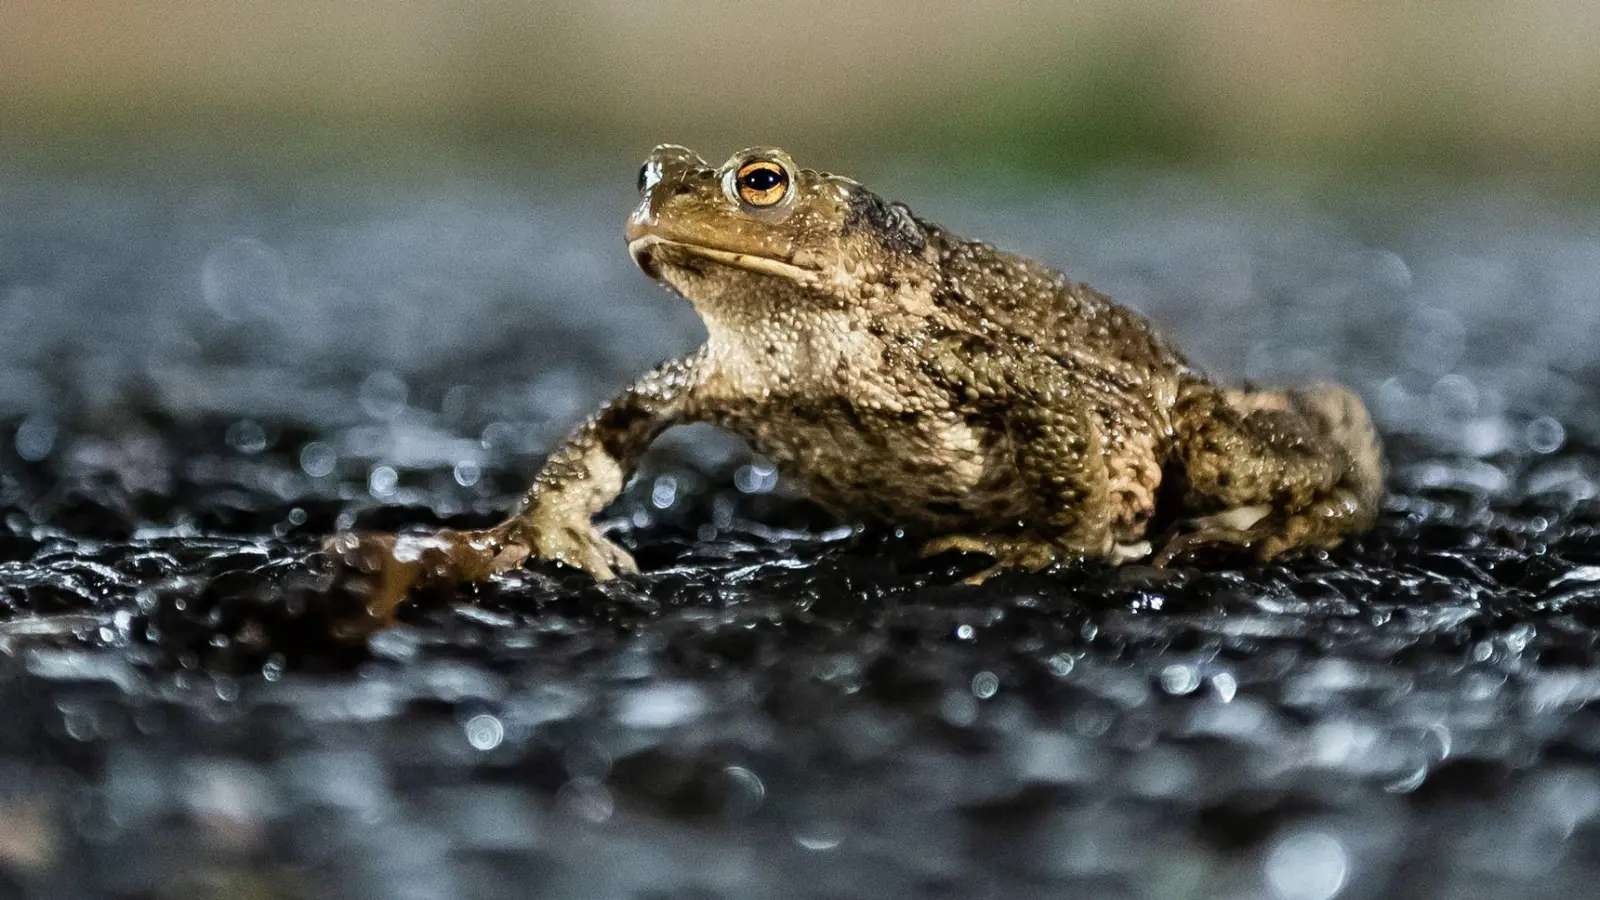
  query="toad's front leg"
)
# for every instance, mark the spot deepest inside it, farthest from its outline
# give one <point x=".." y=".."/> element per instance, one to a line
<point x="553" y="520"/>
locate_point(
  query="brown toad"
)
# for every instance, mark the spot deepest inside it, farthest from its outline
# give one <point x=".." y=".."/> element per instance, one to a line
<point x="912" y="377"/>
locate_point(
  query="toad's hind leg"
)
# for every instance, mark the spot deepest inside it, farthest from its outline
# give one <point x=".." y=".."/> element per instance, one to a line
<point x="1274" y="471"/>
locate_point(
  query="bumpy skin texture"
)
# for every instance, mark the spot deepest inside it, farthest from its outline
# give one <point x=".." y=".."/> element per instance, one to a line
<point x="912" y="377"/>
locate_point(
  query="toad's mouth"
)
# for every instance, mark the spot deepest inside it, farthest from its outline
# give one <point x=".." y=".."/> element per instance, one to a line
<point x="650" y="252"/>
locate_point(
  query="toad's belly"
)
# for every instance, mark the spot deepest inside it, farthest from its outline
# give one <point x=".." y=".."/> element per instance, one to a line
<point x="923" y="472"/>
<point x="931" y="473"/>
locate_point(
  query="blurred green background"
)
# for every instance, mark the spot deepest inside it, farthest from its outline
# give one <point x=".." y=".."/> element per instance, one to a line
<point x="1453" y="87"/>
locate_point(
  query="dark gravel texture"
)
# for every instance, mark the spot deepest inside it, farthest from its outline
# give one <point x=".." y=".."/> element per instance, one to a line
<point x="201" y="374"/>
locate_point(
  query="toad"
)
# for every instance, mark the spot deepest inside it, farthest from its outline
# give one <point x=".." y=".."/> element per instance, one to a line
<point x="909" y="376"/>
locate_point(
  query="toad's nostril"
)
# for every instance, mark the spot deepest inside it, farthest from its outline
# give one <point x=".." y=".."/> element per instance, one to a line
<point x="680" y="189"/>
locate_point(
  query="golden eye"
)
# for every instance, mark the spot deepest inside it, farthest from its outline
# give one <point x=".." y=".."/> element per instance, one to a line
<point x="762" y="182"/>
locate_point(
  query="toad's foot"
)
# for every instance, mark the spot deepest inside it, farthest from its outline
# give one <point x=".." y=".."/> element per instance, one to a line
<point x="391" y="566"/>
<point x="1008" y="552"/>
<point x="1249" y="529"/>
<point x="581" y="546"/>
<point x="1267" y="534"/>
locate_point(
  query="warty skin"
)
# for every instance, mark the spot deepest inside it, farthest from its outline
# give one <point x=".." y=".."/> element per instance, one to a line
<point x="911" y="377"/>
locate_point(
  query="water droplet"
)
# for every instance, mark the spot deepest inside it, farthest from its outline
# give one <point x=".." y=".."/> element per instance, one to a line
<point x="383" y="481"/>
<point x="587" y="799"/>
<point x="318" y="459"/>
<point x="745" y="791"/>
<point x="1225" y="685"/>
<point x="467" y="473"/>
<point x="227" y="689"/>
<point x="1307" y="865"/>
<point x="247" y="437"/>
<point x="485" y="732"/>
<point x="820" y="835"/>
<point x="500" y="437"/>
<point x="1180" y="679"/>
<point x="664" y="492"/>
<point x="383" y="395"/>
<point x="80" y="724"/>
<point x="756" y="478"/>
<point x="36" y="437"/>
<point x="1455" y="396"/>
<point x="274" y="667"/>
<point x="985" y="685"/>
<point x="1543" y="435"/>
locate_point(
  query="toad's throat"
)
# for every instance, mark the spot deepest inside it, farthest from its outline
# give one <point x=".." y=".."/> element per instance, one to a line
<point x="648" y="250"/>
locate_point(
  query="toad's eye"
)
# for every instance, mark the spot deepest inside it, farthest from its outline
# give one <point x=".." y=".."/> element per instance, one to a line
<point x="762" y="182"/>
<point x="649" y="174"/>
